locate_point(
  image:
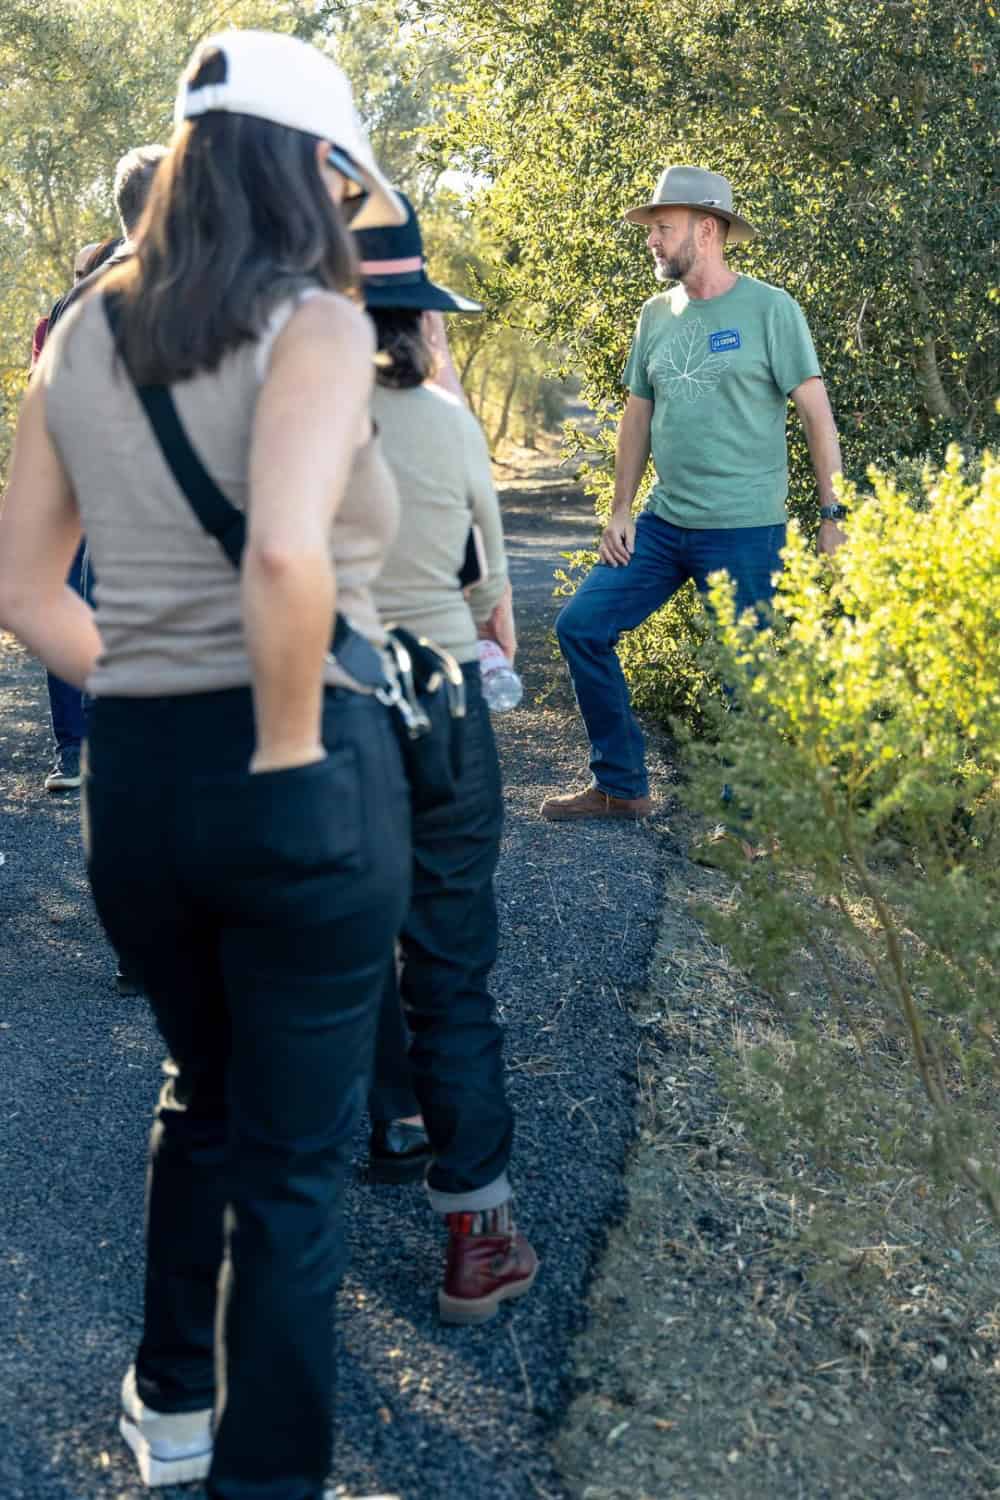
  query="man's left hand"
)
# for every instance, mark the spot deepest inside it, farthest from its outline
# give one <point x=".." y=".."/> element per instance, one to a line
<point x="830" y="538"/>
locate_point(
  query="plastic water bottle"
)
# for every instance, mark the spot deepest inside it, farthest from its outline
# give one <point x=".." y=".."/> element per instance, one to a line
<point x="502" y="688"/>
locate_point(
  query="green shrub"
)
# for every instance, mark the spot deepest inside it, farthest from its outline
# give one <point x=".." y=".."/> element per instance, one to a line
<point x="863" y="753"/>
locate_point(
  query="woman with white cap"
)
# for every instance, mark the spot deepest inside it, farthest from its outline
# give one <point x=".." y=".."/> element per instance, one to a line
<point x="452" y="1073"/>
<point x="248" y="840"/>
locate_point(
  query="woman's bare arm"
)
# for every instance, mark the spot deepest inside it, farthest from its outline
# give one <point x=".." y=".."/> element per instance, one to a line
<point x="39" y="533"/>
<point x="311" y="417"/>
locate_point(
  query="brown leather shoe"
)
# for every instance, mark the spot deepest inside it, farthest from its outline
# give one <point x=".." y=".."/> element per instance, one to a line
<point x="484" y="1270"/>
<point x="593" y="803"/>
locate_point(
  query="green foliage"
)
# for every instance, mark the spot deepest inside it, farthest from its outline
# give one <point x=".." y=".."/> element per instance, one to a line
<point x="861" y="137"/>
<point x="83" y="81"/>
<point x="864" y="757"/>
<point x="402" y="69"/>
<point x="408" y="76"/>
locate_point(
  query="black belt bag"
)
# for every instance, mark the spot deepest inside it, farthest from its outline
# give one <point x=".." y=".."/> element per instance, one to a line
<point x="429" y="716"/>
<point x="421" y="684"/>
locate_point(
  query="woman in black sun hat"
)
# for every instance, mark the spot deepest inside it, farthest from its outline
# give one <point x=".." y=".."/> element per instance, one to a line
<point x="450" y="1083"/>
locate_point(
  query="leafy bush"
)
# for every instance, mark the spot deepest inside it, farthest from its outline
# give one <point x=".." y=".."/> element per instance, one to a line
<point x="863" y="752"/>
<point x="860" y="137"/>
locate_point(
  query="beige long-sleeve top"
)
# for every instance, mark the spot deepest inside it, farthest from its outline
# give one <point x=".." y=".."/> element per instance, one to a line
<point x="438" y="455"/>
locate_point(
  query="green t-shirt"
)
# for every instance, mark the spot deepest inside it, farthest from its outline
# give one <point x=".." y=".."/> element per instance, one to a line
<point x="719" y="372"/>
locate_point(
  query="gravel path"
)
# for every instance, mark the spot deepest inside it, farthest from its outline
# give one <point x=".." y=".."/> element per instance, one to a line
<point x="423" y="1413"/>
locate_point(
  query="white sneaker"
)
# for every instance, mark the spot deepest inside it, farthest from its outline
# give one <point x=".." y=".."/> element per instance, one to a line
<point x="340" y="1494"/>
<point x="170" y="1447"/>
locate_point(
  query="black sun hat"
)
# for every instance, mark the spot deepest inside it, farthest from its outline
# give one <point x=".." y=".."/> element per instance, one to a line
<point x="394" y="271"/>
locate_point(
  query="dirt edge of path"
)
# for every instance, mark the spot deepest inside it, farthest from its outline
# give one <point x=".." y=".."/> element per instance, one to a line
<point x="718" y="1361"/>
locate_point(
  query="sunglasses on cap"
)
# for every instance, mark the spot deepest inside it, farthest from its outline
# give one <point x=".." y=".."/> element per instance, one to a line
<point x="356" y="192"/>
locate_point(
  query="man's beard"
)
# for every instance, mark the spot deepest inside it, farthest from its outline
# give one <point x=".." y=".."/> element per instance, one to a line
<point x="676" y="267"/>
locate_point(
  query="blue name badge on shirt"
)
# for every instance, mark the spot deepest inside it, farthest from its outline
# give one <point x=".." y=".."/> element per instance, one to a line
<point x="727" y="338"/>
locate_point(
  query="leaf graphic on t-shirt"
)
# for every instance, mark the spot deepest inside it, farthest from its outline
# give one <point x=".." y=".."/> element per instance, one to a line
<point x="684" y="367"/>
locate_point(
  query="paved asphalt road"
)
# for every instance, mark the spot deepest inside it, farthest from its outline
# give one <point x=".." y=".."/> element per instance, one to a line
<point x="424" y="1413"/>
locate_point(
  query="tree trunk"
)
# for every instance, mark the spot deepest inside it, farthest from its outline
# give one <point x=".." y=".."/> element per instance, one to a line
<point x="936" y="399"/>
<point x="531" y="413"/>
<point x="472" y="355"/>
<point x="508" y="401"/>
<point x="484" y="385"/>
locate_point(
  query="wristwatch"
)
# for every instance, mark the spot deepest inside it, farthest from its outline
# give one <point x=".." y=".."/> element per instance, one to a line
<point x="832" y="512"/>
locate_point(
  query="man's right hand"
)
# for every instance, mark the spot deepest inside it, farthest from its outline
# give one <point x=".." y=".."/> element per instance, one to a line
<point x="617" y="541"/>
<point x="500" y="625"/>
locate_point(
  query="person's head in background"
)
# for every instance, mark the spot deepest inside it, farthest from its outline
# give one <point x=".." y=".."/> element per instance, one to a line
<point x="92" y="257"/>
<point x="81" y="261"/>
<point x="405" y="356"/>
<point x="133" y="179"/>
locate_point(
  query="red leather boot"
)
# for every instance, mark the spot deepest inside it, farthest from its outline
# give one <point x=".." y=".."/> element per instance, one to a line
<point x="483" y="1270"/>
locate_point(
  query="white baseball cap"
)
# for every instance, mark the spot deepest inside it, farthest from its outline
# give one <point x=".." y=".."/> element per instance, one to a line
<point x="279" y="78"/>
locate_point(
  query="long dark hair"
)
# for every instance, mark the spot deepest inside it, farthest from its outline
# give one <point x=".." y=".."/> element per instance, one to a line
<point x="237" y="215"/>
<point x="406" y="358"/>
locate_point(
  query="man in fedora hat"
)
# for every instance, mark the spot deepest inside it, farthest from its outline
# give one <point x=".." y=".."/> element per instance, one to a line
<point x="713" y="363"/>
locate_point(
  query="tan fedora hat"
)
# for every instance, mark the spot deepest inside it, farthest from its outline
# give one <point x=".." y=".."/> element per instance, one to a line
<point x="693" y="187"/>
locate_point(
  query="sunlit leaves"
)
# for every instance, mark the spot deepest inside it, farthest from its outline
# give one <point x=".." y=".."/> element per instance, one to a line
<point x="81" y="82"/>
<point x="861" y="135"/>
<point x="864" y="756"/>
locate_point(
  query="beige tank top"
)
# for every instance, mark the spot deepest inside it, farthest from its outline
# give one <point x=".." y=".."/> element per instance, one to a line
<point x="167" y="597"/>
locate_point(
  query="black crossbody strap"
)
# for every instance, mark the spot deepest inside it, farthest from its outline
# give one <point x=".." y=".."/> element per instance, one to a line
<point x="219" y="516"/>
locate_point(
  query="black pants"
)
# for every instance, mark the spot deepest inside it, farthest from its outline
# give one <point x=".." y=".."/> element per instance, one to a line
<point x="259" y="913"/>
<point x="450" y="1066"/>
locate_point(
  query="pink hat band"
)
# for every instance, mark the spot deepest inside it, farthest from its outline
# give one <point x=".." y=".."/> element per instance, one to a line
<point x="392" y="267"/>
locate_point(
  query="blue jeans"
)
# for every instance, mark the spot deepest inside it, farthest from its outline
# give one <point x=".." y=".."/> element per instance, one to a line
<point x="611" y="600"/>
<point x="67" y="703"/>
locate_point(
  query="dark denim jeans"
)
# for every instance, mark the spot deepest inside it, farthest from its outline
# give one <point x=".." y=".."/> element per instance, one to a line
<point x="259" y="913"/>
<point x="452" y="1072"/>
<point x="66" y="703"/>
<point x="611" y="600"/>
